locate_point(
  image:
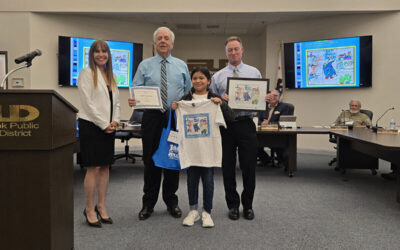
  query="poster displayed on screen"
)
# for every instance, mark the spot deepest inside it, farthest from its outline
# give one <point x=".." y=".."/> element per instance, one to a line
<point x="74" y="56"/>
<point x="334" y="63"/>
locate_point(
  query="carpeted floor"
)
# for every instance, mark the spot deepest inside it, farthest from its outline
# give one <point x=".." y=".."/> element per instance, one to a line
<point x="317" y="209"/>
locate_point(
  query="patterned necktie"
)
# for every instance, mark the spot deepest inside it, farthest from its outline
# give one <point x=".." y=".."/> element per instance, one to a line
<point x="235" y="72"/>
<point x="164" y="85"/>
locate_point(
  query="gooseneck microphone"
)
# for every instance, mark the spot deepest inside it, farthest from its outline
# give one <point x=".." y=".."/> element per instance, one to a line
<point x="25" y="58"/>
<point x="375" y="128"/>
<point x="28" y="57"/>
<point x="343" y="118"/>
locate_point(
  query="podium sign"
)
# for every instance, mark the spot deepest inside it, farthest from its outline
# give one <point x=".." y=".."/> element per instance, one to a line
<point x="37" y="137"/>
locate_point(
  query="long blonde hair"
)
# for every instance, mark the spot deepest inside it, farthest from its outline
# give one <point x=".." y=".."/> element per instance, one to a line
<point x="108" y="67"/>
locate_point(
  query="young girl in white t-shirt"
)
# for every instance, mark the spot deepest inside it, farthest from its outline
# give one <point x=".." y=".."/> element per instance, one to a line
<point x="201" y="80"/>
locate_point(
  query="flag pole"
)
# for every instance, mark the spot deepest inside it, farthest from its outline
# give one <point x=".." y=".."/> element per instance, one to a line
<point x="279" y="81"/>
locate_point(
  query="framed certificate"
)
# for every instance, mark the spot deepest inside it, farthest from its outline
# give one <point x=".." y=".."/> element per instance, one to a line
<point x="247" y="93"/>
<point x="146" y="97"/>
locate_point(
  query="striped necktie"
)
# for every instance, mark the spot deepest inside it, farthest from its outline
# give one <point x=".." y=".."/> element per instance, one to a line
<point x="164" y="85"/>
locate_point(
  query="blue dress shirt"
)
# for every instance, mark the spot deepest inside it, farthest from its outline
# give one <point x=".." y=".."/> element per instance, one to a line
<point x="178" y="78"/>
<point x="219" y="80"/>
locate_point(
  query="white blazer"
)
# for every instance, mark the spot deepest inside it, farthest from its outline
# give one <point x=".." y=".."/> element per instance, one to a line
<point x="95" y="103"/>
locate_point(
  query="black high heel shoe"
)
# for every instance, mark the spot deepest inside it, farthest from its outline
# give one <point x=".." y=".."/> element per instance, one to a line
<point x="104" y="220"/>
<point x="92" y="224"/>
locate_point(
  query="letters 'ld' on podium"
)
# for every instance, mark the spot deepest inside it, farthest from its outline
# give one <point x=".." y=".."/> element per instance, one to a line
<point x="37" y="137"/>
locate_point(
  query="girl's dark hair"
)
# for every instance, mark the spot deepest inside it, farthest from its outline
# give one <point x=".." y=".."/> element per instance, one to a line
<point x="203" y="70"/>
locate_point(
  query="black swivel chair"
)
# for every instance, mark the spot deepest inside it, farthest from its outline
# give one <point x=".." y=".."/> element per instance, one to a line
<point x="273" y="153"/>
<point x="125" y="136"/>
<point x="333" y="139"/>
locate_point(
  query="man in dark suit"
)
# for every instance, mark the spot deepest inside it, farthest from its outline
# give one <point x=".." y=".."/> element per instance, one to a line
<point x="271" y="115"/>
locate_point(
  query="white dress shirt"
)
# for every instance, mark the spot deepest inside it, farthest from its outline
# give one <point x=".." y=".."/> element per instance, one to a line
<point x="219" y="80"/>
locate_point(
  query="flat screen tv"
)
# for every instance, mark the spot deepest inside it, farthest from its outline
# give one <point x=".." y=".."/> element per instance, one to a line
<point x="73" y="56"/>
<point x="333" y="63"/>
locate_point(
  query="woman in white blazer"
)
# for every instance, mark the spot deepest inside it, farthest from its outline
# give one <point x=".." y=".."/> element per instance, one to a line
<point x="98" y="119"/>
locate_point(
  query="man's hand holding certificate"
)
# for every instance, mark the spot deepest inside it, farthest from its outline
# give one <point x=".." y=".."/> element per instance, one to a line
<point x="146" y="97"/>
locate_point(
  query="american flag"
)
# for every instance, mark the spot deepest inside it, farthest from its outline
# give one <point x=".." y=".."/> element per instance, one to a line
<point x="279" y="82"/>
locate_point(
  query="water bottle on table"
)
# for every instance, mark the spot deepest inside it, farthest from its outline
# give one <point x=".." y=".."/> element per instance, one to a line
<point x="392" y="124"/>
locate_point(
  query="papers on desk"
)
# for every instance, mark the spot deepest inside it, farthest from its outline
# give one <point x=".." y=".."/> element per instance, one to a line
<point x="134" y="125"/>
<point x="321" y="126"/>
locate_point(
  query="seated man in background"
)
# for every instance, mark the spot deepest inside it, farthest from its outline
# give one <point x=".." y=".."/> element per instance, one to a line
<point x="271" y="115"/>
<point x="353" y="116"/>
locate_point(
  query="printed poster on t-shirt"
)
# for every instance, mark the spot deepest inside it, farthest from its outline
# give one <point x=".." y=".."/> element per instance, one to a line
<point x="196" y="125"/>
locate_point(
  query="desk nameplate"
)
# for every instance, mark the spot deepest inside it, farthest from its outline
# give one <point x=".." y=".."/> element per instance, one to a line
<point x="269" y="127"/>
<point x="339" y="128"/>
<point x="387" y="131"/>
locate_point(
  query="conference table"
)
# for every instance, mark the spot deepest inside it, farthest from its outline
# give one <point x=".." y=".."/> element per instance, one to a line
<point x="361" y="148"/>
<point x="357" y="148"/>
<point x="282" y="138"/>
<point x="286" y="139"/>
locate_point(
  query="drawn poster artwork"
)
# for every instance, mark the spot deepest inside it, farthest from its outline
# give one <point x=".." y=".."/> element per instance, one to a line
<point x="247" y="94"/>
<point x="196" y="125"/>
<point x="120" y="62"/>
<point x="331" y="66"/>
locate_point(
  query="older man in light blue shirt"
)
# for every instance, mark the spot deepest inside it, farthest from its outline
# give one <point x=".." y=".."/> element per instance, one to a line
<point x="172" y="76"/>
<point x="178" y="78"/>
<point x="240" y="134"/>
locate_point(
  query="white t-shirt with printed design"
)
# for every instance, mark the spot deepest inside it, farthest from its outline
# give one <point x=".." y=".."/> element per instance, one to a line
<point x="198" y="124"/>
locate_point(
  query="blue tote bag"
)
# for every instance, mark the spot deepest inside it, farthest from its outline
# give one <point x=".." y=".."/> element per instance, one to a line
<point x="167" y="155"/>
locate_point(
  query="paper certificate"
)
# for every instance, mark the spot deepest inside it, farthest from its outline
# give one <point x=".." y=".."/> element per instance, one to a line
<point x="146" y="97"/>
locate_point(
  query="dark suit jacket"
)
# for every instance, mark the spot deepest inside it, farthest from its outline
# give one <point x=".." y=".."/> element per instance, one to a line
<point x="281" y="109"/>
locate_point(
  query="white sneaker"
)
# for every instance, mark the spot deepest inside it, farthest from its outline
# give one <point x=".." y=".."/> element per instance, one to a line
<point x="191" y="218"/>
<point x="207" y="221"/>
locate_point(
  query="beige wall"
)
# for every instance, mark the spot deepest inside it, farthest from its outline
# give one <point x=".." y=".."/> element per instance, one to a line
<point x="203" y="6"/>
<point x="15" y="39"/>
<point x="46" y="28"/>
<point x="213" y="47"/>
<point x="321" y="107"/>
<point x="28" y="31"/>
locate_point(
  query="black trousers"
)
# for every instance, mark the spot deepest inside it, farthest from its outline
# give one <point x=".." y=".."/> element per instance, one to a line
<point x="153" y="122"/>
<point x="240" y="136"/>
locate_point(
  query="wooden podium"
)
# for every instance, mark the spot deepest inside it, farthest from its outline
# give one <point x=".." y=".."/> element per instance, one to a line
<point x="37" y="137"/>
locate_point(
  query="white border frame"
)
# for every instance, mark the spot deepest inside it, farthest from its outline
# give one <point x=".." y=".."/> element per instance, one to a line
<point x="153" y="91"/>
<point x="261" y="83"/>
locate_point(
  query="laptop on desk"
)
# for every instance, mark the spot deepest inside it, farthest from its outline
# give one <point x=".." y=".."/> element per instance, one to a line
<point x="287" y="121"/>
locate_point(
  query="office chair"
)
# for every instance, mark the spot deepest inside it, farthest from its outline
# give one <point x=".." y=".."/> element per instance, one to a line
<point x="125" y="136"/>
<point x="333" y="139"/>
<point x="273" y="152"/>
